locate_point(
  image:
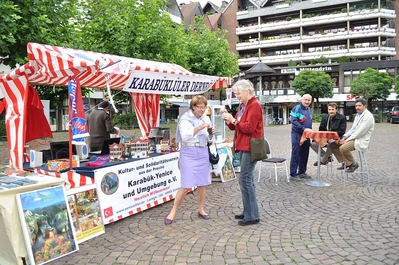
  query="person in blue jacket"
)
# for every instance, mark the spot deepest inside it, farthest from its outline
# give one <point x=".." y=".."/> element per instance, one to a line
<point x="301" y="120"/>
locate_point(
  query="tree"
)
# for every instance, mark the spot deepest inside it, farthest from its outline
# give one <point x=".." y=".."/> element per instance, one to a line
<point x="139" y="30"/>
<point x="397" y="86"/>
<point x="52" y="22"/>
<point x="371" y="85"/>
<point x="8" y="28"/>
<point x="316" y="83"/>
<point x="131" y="28"/>
<point x="44" y="21"/>
<point x="134" y="29"/>
<point x="209" y="51"/>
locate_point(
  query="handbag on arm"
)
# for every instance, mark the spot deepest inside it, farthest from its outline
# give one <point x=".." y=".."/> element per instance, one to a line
<point x="213" y="158"/>
<point x="258" y="149"/>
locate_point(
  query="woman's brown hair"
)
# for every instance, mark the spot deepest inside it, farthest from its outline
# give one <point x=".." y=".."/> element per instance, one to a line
<point x="198" y="99"/>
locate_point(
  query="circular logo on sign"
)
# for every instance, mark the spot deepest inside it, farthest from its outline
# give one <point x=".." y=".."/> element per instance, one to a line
<point x="110" y="183"/>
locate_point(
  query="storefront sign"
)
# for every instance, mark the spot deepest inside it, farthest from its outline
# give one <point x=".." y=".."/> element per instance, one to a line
<point x="321" y="68"/>
<point x="128" y="188"/>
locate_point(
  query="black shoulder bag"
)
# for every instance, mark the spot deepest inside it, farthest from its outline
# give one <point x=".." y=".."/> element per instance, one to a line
<point x="213" y="158"/>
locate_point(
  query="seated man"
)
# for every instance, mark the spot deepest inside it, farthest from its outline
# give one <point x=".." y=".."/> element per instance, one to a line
<point x="357" y="138"/>
<point x="335" y="122"/>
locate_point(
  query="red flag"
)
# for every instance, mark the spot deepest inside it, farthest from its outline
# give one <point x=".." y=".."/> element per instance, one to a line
<point x="37" y="125"/>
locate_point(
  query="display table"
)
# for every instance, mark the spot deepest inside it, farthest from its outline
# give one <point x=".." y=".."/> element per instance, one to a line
<point x="321" y="138"/>
<point x="12" y="246"/>
<point x="128" y="187"/>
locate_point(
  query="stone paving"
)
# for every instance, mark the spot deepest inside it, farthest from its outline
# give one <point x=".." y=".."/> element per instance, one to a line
<point x="299" y="224"/>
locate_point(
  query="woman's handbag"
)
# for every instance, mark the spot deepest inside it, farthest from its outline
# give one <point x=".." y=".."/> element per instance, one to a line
<point x="258" y="149"/>
<point x="213" y="158"/>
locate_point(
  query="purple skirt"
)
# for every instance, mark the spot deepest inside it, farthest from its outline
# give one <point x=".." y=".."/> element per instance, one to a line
<point x="194" y="166"/>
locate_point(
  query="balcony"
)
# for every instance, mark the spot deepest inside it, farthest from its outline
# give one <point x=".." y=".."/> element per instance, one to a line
<point x="317" y="38"/>
<point x="277" y="41"/>
<point x="316" y="20"/>
<point x="331" y="54"/>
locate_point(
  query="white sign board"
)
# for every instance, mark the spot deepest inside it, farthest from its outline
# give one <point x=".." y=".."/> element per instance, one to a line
<point x="129" y="188"/>
<point x="171" y="84"/>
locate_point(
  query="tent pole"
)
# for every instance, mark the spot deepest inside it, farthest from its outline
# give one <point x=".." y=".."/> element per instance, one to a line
<point x="70" y="145"/>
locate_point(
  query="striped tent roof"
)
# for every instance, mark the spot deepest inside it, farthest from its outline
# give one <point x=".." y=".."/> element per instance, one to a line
<point x="52" y="65"/>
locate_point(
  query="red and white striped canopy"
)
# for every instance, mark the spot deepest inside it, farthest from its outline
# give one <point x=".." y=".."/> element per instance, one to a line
<point x="52" y="65"/>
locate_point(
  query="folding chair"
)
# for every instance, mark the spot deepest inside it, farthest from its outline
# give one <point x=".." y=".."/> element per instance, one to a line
<point x="276" y="162"/>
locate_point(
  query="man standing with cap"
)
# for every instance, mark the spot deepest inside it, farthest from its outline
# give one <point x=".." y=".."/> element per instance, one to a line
<point x="100" y="126"/>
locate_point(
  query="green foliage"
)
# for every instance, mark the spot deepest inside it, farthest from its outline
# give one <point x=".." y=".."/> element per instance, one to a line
<point x="377" y="118"/>
<point x="43" y="21"/>
<point x="134" y="29"/>
<point x="317" y="117"/>
<point x="372" y="85"/>
<point x="323" y="59"/>
<point x="397" y="86"/>
<point x="316" y="83"/>
<point x="344" y="59"/>
<point x="125" y="121"/>
<point x="209" y="51"/>
<point x="137" y="29"/>
<point x="164" y="99"/>
<point x="8" y="26"/>
<point x="291" y="63"/>
<point x="3" y="132"/>
<point x="131" y="28"/>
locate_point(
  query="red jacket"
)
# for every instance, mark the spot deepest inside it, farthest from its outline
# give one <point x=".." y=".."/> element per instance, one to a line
<point x="250" y="125"/>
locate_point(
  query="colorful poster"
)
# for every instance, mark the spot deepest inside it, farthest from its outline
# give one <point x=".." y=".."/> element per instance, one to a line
<point x="129" y="188"/>
<point x="224" y="170"/>
<point x="85" y="211"/>
<point x="46" y="224"/>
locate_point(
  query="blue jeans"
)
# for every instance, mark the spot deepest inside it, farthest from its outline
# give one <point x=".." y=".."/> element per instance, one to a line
<point x="247" y="187"/>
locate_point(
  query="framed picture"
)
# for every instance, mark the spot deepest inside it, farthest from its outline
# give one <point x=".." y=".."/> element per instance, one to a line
<point x="224" y="169"/>
<point x="46" y="224"/>
<point x="85" y="211"/>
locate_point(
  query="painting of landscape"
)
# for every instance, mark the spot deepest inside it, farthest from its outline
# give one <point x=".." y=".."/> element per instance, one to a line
<point x="46" y="224"/>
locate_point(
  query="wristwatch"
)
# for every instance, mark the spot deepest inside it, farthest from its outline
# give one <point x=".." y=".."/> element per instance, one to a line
<point x="234" y="122"/>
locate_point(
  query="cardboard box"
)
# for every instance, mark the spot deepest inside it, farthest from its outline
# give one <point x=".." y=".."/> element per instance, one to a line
<point x="60" y="164"/>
